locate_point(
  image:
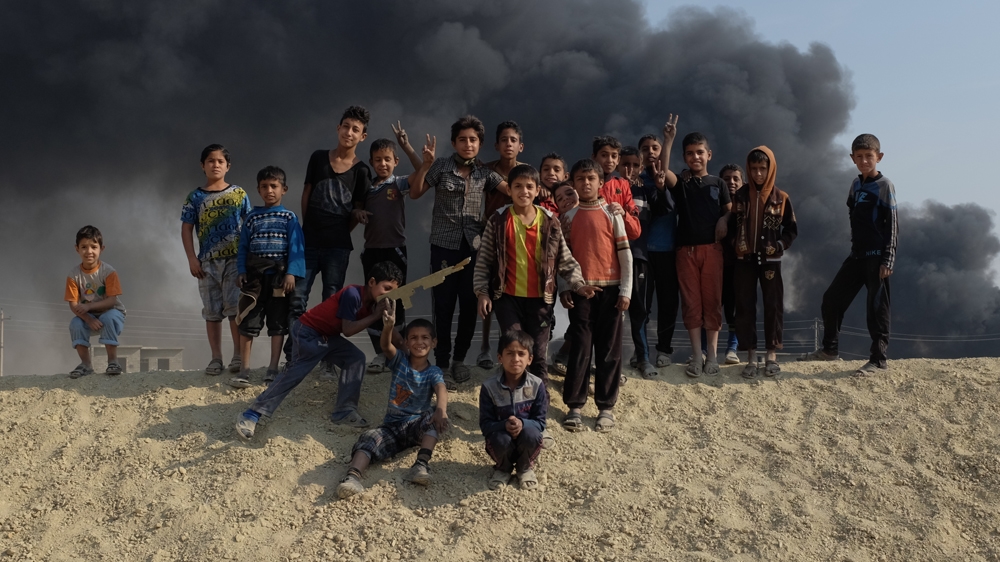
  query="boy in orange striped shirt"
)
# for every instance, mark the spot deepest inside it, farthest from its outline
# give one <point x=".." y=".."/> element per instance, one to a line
<point x="598" y="240"/>
<point x="520" y="253"/>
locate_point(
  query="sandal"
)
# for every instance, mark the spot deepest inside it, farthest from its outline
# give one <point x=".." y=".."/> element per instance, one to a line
<point x="81" y="370"/>
<point x="573" y="422"/>
<point x="353" y="419"/>
<point x="693" y="369"/>
<point x="559" y="365"/>
<point x="485" y="360"/>
<point x="271" y="375"/>
<point x="712" y="368"/>
<point x="114" y="368"/>
<point x="236" y="365"/>
<point x="547" y="440"/>
<point x="215" y="367"/>
<point x="750" y="371"/>
<point x="498" y="479"/>
<point x="772" y="369"/>
<point x="460" y="372"/>
<point x="605" y="421"/>
<point x="240" y="381"/>
<point x="527" y="479"/>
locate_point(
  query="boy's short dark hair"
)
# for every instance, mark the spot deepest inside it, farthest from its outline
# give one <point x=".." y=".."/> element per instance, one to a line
<point x="386" y="271"/>
<point x="509" y="125"/>
<point x="381" y="144"/>
<point x="358" y="113"/>
<point x="519" y="336"/>
<point x="645" y="138"/>
<point x="586" y="165"/>
<point x="272" y="173"/>
<point x="212" y="148"/>
<point x="734" y="168"/>
<point x="523" y="171"/>
<point x="552" y="156"/>
<point x="758" y="157"/>
<point x="606" y="140"/>
<point x="695" y="138"/>
<point x="629" y="151"/>
<point x="468" y="122"/>
<point x="420" y="323"/>
<point x="90" y="233"/>
<point x="866" y="141"/>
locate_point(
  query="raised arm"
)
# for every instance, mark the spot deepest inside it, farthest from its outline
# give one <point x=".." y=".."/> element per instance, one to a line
<point x="404" y="143"/>
<point x="418" y="179"/>
<point x="388" y="321"/>
<point x="669" y="133"/>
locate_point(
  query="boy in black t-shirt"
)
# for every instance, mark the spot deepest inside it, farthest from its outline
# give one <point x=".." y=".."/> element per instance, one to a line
<point x="336" y="185"/>
<point x="703" y="205"/>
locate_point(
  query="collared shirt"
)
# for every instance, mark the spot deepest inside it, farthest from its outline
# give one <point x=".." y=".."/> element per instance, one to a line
<point x="458" y="203"/>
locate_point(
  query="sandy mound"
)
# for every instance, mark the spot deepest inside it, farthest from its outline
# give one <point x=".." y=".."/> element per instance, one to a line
<point x="816" y="466"/>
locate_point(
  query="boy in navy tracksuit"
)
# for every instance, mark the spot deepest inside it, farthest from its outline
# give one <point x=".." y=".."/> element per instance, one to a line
<point x="872" y="205"/>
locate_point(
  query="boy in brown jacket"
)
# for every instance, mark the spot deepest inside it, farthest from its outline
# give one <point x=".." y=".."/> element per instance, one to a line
<point x="764" y="228"/>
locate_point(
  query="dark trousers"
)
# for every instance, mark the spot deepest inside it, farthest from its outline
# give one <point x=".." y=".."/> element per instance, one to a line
<point x="595" y="325"/>
<point x="456" y="287"/>
<point x="509" y="452"/>
<point x="639" y="307"/>
<point x="729" y="288"/>
<point x="854" y="274"/>
<point x="668" y="298"/>
<point x="747" y="275"/>
<point x="369" y="258"/>
<point x="533" y="316"/>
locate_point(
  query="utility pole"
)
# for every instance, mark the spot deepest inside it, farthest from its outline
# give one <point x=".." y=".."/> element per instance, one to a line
<point x="1" y="342"/>
<point x="815" y="333"/>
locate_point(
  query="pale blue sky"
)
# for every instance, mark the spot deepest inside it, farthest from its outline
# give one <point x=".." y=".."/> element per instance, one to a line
<point x="925" y="75"/>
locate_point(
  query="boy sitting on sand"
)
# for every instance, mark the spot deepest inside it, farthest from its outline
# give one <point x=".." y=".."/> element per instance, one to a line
<point x="92" y="291"/>
<point x="410" y="419"/>
<point x="512" y="408"/>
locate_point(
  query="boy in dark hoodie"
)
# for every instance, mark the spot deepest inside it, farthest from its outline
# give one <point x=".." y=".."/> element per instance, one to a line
<point x="764" y="228"/>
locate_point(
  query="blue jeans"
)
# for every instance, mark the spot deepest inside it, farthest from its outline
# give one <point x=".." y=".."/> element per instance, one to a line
<point x="308" y="349"/>
<point x="113" y="321"/>
<point x="332" y="264"/>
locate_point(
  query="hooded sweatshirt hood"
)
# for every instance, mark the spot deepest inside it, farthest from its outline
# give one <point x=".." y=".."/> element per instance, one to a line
<point x="763" y="192"/>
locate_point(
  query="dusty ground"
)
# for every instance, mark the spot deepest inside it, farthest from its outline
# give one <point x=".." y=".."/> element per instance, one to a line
<point x="816" y="466"/>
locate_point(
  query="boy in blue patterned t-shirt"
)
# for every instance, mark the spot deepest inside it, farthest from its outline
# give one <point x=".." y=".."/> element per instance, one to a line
<point x="409" y="419"/>
<point x="216" y="213"/>
<point x="271" y="257"/>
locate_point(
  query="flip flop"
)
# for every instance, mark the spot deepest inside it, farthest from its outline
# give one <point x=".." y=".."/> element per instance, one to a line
<point x="573" y="422"/>
<point x="605" y="421"/>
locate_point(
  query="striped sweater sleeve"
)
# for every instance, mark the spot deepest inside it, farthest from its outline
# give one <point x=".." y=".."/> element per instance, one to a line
<point x="624" y="256"/>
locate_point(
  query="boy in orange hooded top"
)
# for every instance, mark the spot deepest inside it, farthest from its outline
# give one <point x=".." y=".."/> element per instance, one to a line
<point x="764" y="228"/>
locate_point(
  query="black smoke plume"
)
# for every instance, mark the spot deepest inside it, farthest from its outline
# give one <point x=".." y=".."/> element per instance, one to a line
<point x="106" y="106"/>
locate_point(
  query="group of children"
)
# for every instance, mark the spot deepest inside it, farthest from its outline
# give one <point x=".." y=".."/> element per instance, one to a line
<point x="602" y="236"/>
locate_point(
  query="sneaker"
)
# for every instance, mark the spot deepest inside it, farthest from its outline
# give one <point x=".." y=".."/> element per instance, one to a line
<point x="547" y="441"/>
<point x="460" y="371"/>
<point x="330" y="372"/>
<point x="869" y="369"/>
<point x="662" y="359"/>
<point x="114" y="368"/>
<point x="648" y="370"/>
<point x="819" y="355"/>
<point x="349" y="486"/>
<point x="377" y="364"/>
<point x="418" y="474"/>
<point x="245" y="426"/>
<point x="732" y="358"/>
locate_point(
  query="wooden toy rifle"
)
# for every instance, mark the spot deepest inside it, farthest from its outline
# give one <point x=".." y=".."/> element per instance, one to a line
<point x="406" y="291"/>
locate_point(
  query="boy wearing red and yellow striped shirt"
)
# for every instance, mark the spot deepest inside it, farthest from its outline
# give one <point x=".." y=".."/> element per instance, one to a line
<point x="597" y="237"/>
<point x="520" y="253"/>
